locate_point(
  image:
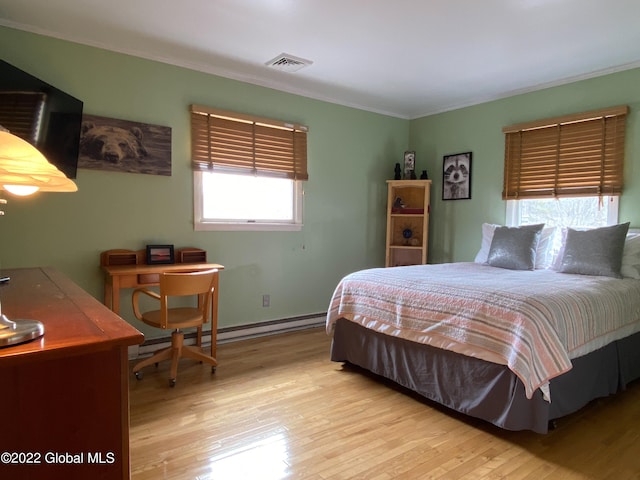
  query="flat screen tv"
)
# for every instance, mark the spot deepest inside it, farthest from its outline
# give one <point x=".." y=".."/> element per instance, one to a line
<point x="41" y="114"/>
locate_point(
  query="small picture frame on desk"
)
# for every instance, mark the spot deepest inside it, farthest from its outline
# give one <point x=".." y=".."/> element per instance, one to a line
<point x="160" y="254"/>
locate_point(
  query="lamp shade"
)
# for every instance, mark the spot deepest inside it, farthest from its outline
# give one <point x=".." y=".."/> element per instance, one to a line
<point x="22" y="165"/>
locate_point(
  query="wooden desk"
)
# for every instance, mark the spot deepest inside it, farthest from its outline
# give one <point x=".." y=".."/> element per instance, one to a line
<point x="68" y="391"/>
<point x="134" y="276"/>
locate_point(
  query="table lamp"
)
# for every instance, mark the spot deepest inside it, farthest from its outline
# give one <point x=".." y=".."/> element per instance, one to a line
<point x="23" y="171"/>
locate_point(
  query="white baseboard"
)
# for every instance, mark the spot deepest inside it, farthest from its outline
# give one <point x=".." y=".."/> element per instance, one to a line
<point x="233" y="334"/>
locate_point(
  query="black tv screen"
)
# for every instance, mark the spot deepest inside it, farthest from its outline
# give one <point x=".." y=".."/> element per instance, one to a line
<point x="43" y="115"/>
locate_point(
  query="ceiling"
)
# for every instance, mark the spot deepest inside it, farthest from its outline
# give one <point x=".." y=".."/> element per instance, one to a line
<point x="406" y="58"/>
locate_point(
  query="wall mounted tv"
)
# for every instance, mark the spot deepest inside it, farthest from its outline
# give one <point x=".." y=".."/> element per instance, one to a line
<point x="43" y="115"/>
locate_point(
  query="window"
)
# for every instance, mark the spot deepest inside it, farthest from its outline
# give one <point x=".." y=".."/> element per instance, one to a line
<point x="248" y="171"/>
<point x="578" y="212"/>
<point x="565" y="171"/>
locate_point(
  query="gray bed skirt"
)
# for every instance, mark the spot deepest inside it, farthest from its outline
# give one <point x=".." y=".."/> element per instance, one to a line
<point x="482" y="389"/>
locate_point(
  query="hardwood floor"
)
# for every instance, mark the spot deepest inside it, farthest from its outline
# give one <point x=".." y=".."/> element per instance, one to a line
<point x="277" y="408"/>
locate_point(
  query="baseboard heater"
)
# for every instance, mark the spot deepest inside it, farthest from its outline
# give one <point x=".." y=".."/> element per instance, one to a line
<point x="233" y="334"/>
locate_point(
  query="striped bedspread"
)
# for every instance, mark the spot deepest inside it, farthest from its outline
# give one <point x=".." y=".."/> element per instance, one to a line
<point x="532" y="321"/>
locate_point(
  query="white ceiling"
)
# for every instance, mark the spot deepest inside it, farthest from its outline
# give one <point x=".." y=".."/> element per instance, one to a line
<point x="405" y="58"/>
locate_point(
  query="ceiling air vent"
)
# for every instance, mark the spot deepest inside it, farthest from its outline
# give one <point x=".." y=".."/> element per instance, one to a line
<point x="288" y="63"/>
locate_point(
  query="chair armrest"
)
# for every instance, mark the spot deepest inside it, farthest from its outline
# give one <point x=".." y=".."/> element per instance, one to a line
<point x="135" y="299"/>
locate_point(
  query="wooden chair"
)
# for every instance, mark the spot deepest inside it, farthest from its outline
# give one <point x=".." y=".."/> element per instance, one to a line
<point x="177" y="284"/>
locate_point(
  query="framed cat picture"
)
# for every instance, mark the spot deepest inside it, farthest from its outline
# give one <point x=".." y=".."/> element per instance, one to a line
<point x="456" y="176"/>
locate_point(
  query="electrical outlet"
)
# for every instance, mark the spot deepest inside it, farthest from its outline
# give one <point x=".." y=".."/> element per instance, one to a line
<point x="266" y="300"/>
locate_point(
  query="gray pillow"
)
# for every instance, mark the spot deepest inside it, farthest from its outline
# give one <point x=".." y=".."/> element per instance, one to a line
<point x="595" y="252"/>
<point x="514" y="247"/>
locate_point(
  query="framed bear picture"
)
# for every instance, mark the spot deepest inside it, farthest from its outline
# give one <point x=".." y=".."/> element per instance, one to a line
<point x="124" y="146"/>
<point x="456" y="176"/>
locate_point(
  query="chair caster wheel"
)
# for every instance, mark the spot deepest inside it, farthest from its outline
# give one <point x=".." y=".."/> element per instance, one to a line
<point x="138" y="375"/>
<point x="172" y="382"/>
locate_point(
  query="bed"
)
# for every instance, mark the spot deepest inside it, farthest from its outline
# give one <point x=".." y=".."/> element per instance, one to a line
<point x="517" y="347"/>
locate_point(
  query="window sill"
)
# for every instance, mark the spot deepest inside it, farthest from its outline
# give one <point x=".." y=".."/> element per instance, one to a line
<point x="247" y="227"/>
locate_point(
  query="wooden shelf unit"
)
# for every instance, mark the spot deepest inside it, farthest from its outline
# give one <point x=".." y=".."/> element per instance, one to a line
<point x="407" y="226"/>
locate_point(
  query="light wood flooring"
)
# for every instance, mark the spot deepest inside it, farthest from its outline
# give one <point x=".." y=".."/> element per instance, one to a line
<point x="277" y="408"/>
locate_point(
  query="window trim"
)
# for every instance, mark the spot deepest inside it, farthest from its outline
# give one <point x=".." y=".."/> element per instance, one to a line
<point x="229" y="142"/>
<point x="202" y="224"/>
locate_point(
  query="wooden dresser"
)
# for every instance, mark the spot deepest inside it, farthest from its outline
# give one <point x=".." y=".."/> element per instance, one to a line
<point x="65" y="396"/>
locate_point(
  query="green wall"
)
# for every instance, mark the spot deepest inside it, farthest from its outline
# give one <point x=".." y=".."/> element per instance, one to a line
<point x="351" y="154"/>
<point x="455" y="226"/>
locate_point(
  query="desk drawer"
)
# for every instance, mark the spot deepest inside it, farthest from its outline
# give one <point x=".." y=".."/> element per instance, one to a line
<point x="148" y="278"/>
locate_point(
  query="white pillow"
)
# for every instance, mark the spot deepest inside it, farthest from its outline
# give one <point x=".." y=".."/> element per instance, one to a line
<point x="485" y="245"/>
<point x="545" y="255"/>
<point x="557" y="260"/>
<point x="631" y="256"/>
